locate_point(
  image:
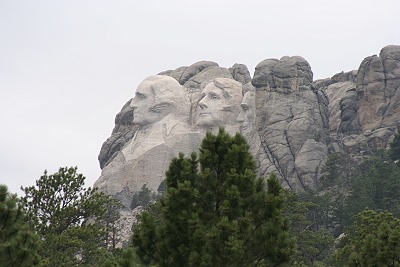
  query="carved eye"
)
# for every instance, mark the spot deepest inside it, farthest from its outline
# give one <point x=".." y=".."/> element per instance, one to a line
<point x="214" y="97"/>
<point x="140" y="96"/>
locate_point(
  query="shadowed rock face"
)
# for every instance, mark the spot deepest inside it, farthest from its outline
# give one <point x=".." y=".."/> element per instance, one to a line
<point x="122" y="133"/>
<point x="291" y="122"/>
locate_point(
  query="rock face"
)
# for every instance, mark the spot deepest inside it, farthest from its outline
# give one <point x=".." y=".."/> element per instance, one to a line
<point x="369" y="106"/>
<point x="291" y="122"/>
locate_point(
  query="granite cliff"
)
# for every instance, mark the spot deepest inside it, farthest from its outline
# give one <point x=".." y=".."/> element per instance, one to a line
<point x="292" y="122"/>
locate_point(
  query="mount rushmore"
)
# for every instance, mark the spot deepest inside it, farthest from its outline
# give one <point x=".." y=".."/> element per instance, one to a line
<point x="291" y="122"/>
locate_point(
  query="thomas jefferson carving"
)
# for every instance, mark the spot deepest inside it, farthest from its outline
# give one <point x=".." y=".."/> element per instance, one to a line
<point x="219" y="105"/>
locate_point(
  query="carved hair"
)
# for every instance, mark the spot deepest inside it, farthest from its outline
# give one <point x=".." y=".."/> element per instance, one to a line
<point x="231" y="90"/>
<point x="169" y="95"/>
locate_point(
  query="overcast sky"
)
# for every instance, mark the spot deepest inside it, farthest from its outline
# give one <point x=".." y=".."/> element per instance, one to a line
<point x="68" y="67"/>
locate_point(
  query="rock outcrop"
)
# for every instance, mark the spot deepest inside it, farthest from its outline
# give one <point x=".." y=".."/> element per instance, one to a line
<point x="292" y="123"/>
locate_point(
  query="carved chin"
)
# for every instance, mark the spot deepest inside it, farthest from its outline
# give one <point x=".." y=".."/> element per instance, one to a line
<point x="141" y="122"/>
<point x="205" y="119"/>
<point x="137" y="119"/>
<point x="247" y="128"/>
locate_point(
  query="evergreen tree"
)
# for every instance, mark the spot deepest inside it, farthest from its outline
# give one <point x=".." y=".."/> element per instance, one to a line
<point x="376" y="185"/>
<point x="372" y="240"/>
<point x="394" y="151"/>
<point x="314" y="242"/>
<point x="143" y="197"/>
<point x="112" y="223"/>
<point x="127" y="259"/>
<point x="216" y="212"/>
<point x="69" y="219"/>
<point x="18" y="244"/>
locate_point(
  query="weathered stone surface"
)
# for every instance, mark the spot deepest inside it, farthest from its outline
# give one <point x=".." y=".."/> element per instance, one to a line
<point x="183" y="74"/>
<point x="263" y="74"/>
<point x="219" y="105"/>
<point x="364" y="109"/>
<point x="176" y="74"/>
<point x="206" y="75"/>
<point x="366" y="143"/>
<point x="290" y="73"/>
<point x="240" y="73"/>
<point x="378" y="83"/>
<point x="161" y="111"/>
<point x="123" y="132"/>
<point x="391" y="64"/>
<point x="342" y="107"/>
<point x="290" y="122"/>
<point x="247" y="119"/>
<point x="287" y="126"/>
<point x="350" y="76"/>
<point x="285" y="75"/>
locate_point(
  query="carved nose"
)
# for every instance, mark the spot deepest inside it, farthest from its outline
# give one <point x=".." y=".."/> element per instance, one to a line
<point x="202" y="105"/>
<point x="240" y="118"/>
<point x="132" y="104"/>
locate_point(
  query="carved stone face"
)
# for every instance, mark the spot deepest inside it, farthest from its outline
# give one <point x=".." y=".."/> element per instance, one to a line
<point x="141" y="103"/>
<point x="210" y="111"/>
<point x="156" y="97"/>
<point x="247" y="116"/>
<point x="219" y="103"/>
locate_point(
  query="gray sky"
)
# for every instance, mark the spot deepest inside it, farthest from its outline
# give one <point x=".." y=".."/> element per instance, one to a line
<point x="68" y="67"/>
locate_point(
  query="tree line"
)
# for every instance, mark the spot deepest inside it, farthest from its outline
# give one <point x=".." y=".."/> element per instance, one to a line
<point x="213" y="210"/>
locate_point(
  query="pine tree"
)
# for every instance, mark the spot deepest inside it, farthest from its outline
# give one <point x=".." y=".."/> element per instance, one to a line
<point x="216" y="212"/>
<point x="314" y="242"/>
<point x="394" y="151"/>
<point x="372" y="240"/>
<point x="69" y="218"/>
<point x="376" y="186"/>
<point x="18" y="244"/>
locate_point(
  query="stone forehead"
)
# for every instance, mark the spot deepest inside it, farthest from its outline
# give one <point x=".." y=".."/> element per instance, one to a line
<point x="163" y="88"/>
<point x="159" y="81"/>
<point x="248" y="96"/>
<point x="231" y="89"/>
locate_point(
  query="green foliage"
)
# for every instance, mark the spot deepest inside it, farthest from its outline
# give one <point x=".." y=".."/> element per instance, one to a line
<point x="331" y="170"/>
<point x="336" y="172"/>
<point x="143" y="198"/>
<point x="69" y="219"/>
<point x="394" y="151"/>
<point x="376" y="186"/>
<point x="372" y="240"/>
<point x="128" y="259"/>
<point x="111" y="223"/>
<point x="348" y="188"/>
<point x="18" y="244"/>
<point x="216" y="214"/>
<point x="314" y="242"/>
